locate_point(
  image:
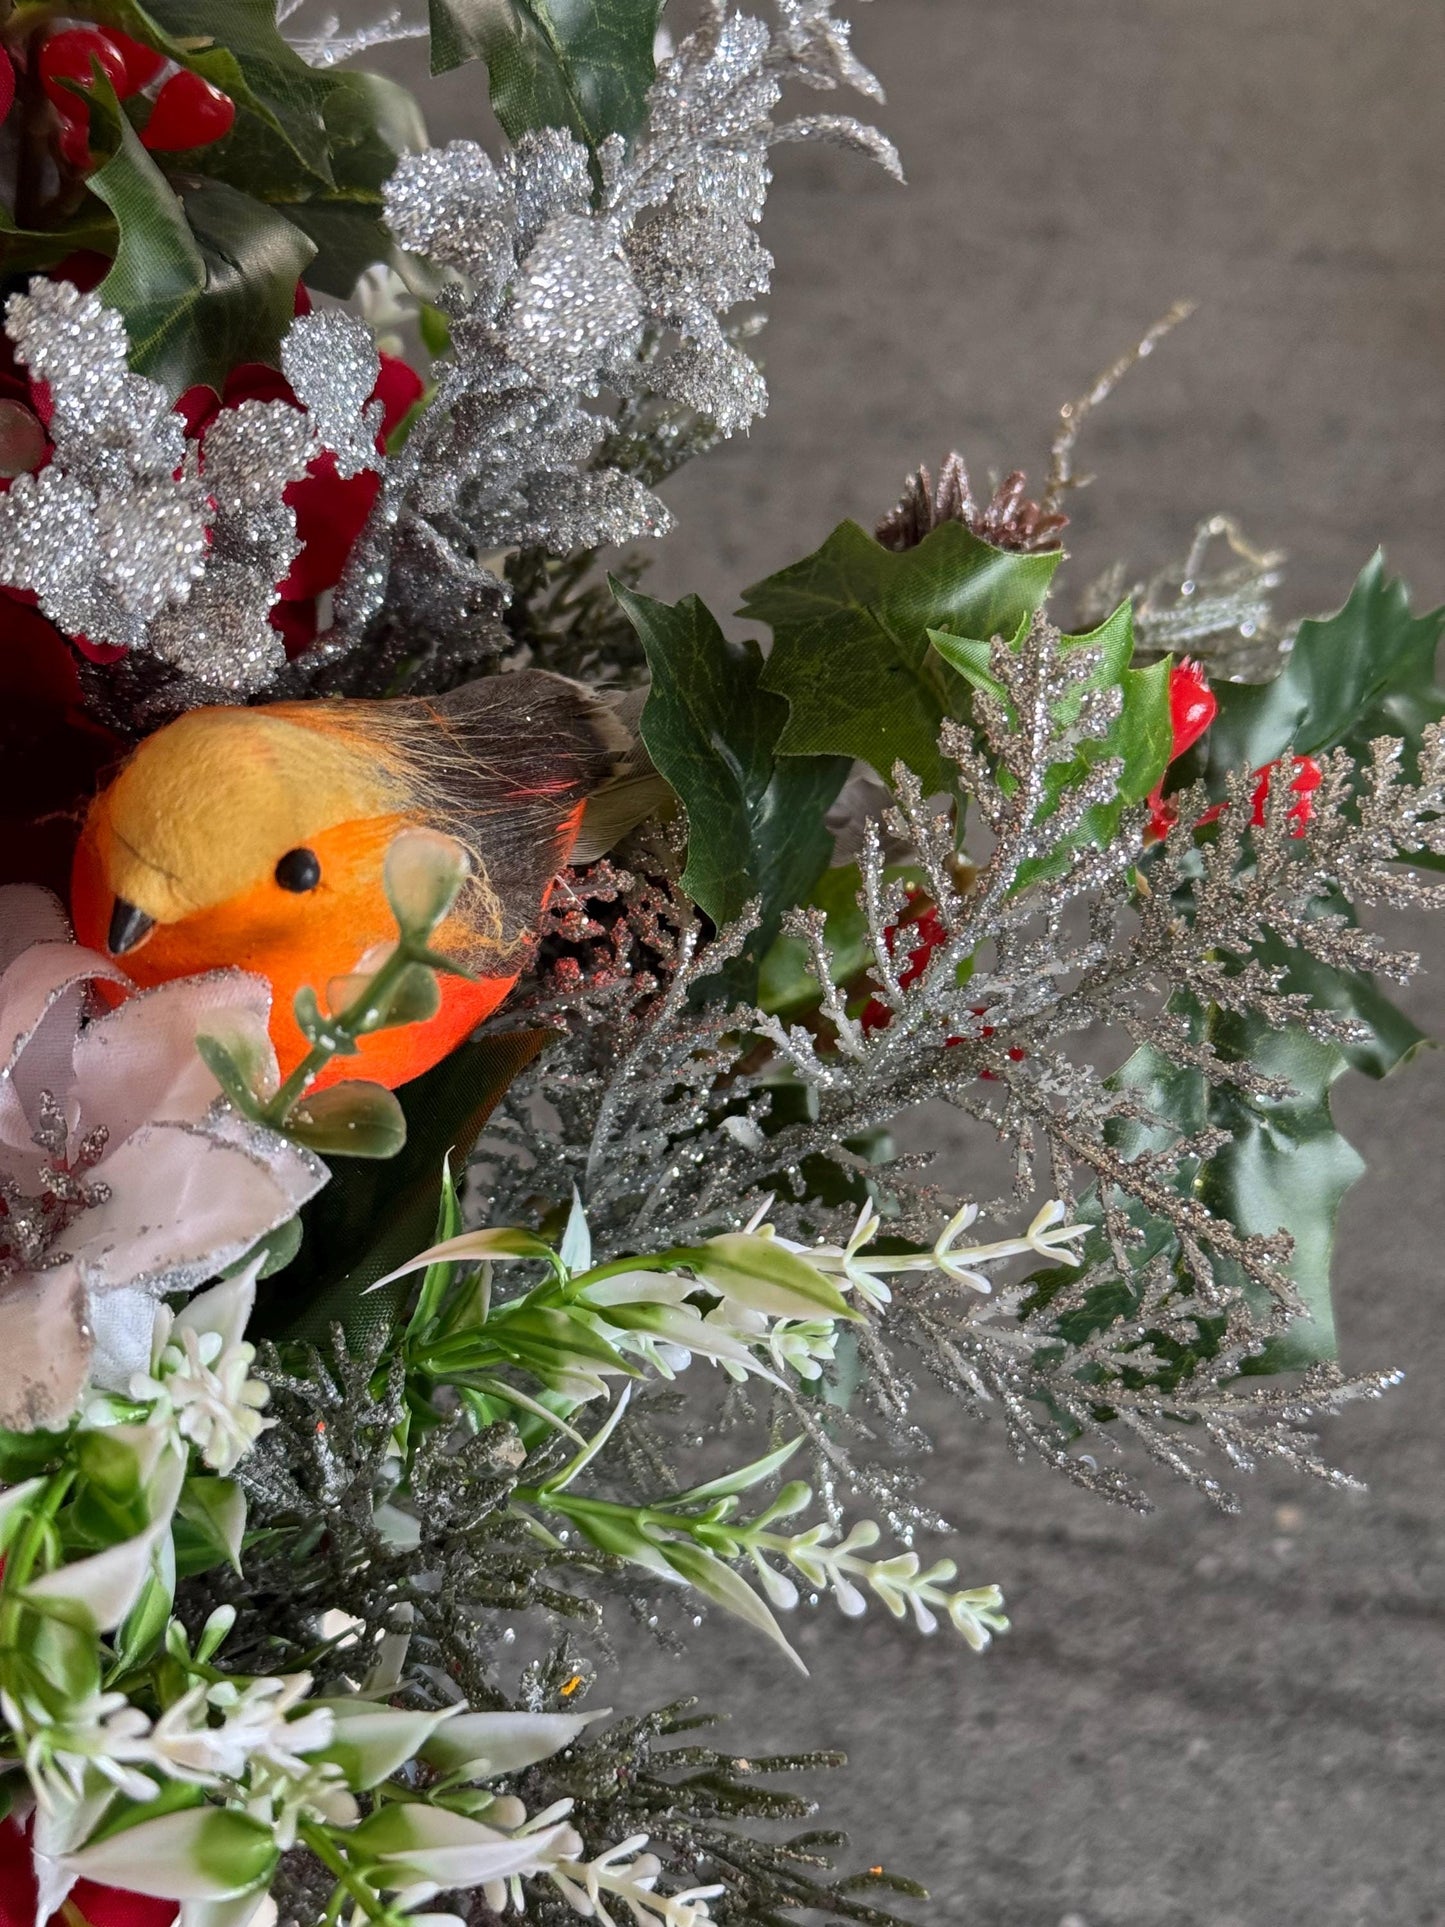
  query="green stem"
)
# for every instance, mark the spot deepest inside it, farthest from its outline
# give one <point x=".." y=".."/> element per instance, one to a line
<point x="347" y="1878"/>
<point x="20" y="1562"/>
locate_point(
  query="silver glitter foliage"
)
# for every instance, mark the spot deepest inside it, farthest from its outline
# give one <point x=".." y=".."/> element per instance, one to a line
<point x="675" y="1120"/>
<point x="592" y="322"/>
<point x="133" y="534"/>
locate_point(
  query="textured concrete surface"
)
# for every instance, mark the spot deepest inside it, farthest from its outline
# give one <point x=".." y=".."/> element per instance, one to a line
<point x="1199" y="1721"/>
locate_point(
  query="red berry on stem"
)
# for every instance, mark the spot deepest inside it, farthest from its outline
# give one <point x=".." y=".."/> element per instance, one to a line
<point x="67" y="55"/>
<point x="142" y="63"/>
<point x="189" y="112"/>
<point x="1192" y="705"/>
<point x="1304" y="781"/>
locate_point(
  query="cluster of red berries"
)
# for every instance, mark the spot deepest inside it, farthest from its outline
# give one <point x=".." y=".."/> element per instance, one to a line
<point x="1192" y="708"/>
<point x="186" y="110"/>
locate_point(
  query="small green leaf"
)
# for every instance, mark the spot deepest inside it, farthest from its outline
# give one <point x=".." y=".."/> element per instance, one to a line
<point x="719" y="1583"/>
<point x="373" y="1742"/>
<point x="851" y="650"/>
<point x="550" y="1341"/>
<point x="423" y="872"/>
<point x="415" y="999"/>
<point x="755" y="819"/>
<point x="584" y="65"/>
<point x="25" y="1455"/>
<point x="139" y="1638"/>
<point x="744" y="1479"/>
<point x="216" y="1507"/>
<point x="275" y="1250"/>
<point x="763" y="1275"/>
<point x="355" y="1119"/>
<point x="439" y="1275"/>
<point x="230" y="1075"/>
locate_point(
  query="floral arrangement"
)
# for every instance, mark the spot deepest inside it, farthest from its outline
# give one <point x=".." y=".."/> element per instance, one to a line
<point x="454" y="1007"/>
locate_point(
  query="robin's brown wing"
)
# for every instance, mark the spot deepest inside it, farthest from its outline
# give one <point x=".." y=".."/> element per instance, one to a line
<point x="512" y="763"/>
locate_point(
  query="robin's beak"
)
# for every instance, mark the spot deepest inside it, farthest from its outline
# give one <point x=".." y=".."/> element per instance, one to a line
<point x="128" y="928"/>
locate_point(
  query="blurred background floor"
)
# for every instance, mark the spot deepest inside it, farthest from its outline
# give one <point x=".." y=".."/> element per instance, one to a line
<point x="1198" y="1721"/>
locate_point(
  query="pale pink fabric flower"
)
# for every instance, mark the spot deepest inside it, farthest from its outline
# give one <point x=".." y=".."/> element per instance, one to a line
<point x="123" y="1174"/>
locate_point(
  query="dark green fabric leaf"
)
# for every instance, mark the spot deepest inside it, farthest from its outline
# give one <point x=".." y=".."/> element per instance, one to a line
<point x="372" y="1217"/>
<point x="1394" y="1037"/>
<point x="1367" y="671"/>
<point x="585" y="65"/>
<point x="202" y="284"/>
<point x="1287" y="1168"/>
<point x="755" y="819"/>
<point x="251" y="60"/>
<point x="851" y="651"/>
<point x="368" y="122"/>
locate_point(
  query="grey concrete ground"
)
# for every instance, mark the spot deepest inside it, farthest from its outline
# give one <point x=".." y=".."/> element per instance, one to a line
<point x="1198" y="1722"/>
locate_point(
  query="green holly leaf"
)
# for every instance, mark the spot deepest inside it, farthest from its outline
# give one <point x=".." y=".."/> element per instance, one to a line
<point x="238" y="47"/>
<point x="372" y="1217"/>
<point x="851" y="645"/>
<point x="1368" y="671"/>
<point x="1286" y="1168"/>
<point x="202" y="283"/>
<point x="366" y="124"/>
<point x="585" y="65"/>
<point x="1393" y="1037"/>
<point x="755" y="819"/>
<point x="1140" y="737"/>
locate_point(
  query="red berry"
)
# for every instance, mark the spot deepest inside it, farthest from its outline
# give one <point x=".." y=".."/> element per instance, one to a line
<point x="189" y="112"/>
<point x="67" y="55"/>
<point x="142" y="63"/>
<point x="1305" y="780"/>
<point x="1192" y="705"/>
<point x="925" y="921"/>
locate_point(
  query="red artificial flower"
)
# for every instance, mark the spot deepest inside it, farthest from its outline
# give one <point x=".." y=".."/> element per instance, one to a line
<point x="1305" y="780"/>
<point x="89" y="1905"/>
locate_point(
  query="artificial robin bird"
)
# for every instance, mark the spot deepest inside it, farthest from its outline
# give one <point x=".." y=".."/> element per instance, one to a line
<point x="255" y="837"/>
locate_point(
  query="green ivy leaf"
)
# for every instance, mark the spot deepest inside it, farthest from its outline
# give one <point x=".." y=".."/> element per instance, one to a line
<point x="202" y="283"/>
<point x="755" y="819"/>
<point x="1367" y="671"/>
<point x="585" y="65"/>
<point x="851" y="647"/>
<point x="372" y="1217"/>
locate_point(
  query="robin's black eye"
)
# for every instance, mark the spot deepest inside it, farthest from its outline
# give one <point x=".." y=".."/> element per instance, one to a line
<point x="299" y="870"/>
